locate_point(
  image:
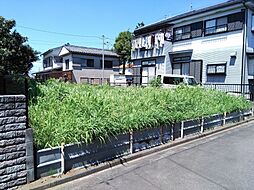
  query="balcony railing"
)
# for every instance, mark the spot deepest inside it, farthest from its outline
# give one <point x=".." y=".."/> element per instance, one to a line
<point x="209" y="31"/>
<point x="188" y="35"/>
<point x="224" y="28"/>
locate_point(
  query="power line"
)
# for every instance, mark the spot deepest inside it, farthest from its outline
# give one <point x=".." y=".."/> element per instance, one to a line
<point x="60" y="42"/>
<point x="59" y="33"/>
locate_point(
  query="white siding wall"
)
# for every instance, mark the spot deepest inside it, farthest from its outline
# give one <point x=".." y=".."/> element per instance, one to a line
<point x="217" y="49"/>
<point x="65" y="57"/>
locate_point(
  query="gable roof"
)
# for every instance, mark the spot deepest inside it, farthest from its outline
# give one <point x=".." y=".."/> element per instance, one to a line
<point x="188" y="14"/>
<point x="54" y="51"/>
<point x="89" y="51"/>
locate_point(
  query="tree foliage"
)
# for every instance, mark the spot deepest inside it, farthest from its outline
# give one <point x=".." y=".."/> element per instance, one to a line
<point x="16" y="56"/>
<point x="123" y="45"/>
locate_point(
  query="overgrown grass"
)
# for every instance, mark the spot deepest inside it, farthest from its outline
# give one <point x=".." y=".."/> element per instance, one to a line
<point x="72" y="113"/>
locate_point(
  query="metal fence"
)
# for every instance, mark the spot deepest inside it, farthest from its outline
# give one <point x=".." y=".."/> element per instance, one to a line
<point x="66" y="157"/>
<point x="245" y="90"/>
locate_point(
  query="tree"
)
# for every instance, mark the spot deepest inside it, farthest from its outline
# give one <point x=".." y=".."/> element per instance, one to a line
<point x="122" y="45"/>
<point x="139" y="25"/>
<point x="16" y="56"/>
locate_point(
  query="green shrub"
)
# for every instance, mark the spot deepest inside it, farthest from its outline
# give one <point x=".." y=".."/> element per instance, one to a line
<point x="69" y="113"/>
<point x="155" y="82"/>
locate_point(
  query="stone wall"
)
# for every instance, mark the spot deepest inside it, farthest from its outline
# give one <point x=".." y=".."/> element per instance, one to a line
<point x="16" y="143"/>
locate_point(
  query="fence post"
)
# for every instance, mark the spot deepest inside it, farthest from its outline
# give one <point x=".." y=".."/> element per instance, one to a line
<point x="62" y="159"/>
<point x="182" y="126"/>
<point x="172" y="132"/>
<point x="224" y="118"/>
<point x="202" y="125"/>
<point x="131" y="142"/>
<point x="240" y="115"/>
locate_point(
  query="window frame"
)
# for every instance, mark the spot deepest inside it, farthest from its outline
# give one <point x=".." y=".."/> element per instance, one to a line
<point x="216" y="72"/>
<point x="105" y="61"/>
<point x="67" y="62"/>
<point x="87" y="61"/>
<point x="216" y="27"/>
<point x="189" y="32"/>
<point x="230" y="20"/>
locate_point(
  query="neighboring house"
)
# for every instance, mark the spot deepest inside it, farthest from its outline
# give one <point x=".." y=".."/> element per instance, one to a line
<point x="213" y="44"/>
<point x="52" y="64"/>
<point x="79" y="64"/>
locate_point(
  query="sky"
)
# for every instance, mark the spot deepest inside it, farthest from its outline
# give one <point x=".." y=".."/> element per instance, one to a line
<point x="52" y="23"/>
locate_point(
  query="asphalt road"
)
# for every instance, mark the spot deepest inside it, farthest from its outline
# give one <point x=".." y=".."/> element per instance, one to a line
<point x="221" y="161"/>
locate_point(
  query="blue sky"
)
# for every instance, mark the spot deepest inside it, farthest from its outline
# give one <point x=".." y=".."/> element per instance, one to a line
<point x="87" y="18"/>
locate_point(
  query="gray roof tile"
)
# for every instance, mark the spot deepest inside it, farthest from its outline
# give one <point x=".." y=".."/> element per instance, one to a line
<point x="90" y="51"/>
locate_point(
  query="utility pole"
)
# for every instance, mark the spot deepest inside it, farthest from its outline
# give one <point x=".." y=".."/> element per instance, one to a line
<point x="103" y="38"/>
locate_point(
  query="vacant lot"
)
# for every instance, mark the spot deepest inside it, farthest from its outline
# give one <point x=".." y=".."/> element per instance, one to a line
<point x="69" y="113"/>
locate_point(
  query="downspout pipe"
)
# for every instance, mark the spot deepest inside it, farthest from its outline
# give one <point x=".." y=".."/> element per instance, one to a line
<point x="243" y="73"/>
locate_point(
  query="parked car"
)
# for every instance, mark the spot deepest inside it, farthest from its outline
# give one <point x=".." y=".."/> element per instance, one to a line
<point x="171" y="80"/>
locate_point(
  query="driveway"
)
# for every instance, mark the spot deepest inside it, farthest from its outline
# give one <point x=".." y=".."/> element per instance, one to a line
<point x="221" y="161"/>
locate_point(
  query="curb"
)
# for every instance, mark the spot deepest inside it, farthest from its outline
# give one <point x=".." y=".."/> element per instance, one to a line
<point x="52" y="182"/>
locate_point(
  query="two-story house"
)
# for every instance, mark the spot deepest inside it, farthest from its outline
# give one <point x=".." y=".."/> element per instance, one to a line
<point x="213" y="44"/>
<point x="79" y="64"/>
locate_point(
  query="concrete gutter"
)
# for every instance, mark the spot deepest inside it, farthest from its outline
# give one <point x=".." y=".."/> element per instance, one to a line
<point x="51" y="181"/>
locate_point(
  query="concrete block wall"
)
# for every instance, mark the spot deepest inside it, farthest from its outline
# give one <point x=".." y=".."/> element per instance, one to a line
<point x="16" y="143"/>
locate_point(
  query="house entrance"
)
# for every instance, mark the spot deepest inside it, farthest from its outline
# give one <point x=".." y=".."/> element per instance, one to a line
<point x="183" y="65"/>
<point x="196" y="67"/>
<point x="148" y="71"/>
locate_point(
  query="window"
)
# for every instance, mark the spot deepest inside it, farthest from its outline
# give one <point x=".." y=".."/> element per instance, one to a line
<point x="58" y="59"/>
<point x="66" y="64"/>
<point x="223" y="24"/>
<point x="216" y="69"/>
<point x="181" y="68"/>
<point x="45" y="63"/>
<point x="216" y="25"/>
<point x="90" y="62"/>
<point x="79" y="61"/>
<point x="182" y="33"/>
<point x="107" y="64"/>
<point x="189" y="31"/>
<point x="235" y="21"/>
<point x="48" y="62"/>
<point x="251" y="66"/>
<point x="196" y="29"/>
<point x="172" y="80"/>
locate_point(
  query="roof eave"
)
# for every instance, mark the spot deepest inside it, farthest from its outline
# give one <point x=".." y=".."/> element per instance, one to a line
<point x="188" y="14"/>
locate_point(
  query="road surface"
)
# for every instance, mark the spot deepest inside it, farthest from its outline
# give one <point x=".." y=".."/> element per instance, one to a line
<point x="221" y="161"/>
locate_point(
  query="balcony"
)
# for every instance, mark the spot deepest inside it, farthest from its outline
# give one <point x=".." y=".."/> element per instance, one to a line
<point x="224" y="28"/>
<point x="188" y="35"/>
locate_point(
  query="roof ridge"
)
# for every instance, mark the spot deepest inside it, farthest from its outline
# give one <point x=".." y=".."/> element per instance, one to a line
<point x="87" y="47"/>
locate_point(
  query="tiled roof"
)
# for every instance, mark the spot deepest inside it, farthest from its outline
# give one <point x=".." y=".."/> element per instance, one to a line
<point x="55" y="51"/>
<point x="90" y="51"/>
